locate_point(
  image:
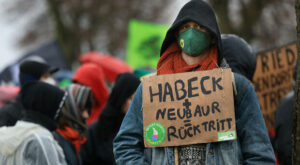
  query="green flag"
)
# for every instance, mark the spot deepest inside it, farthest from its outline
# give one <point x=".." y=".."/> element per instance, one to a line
<point x="144" y="43"/>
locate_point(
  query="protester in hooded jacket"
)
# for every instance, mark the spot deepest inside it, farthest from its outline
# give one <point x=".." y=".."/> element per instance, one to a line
<point x="239" y="55"/>
<point x="29" y="71"/>
<point x="99" y="148"/>
<point x="283" y="129"/>
<point x="30" y="140"/>
<point x="72" y="124"/>
<point x="92" y="76"/>
<point x="196" y="24"/>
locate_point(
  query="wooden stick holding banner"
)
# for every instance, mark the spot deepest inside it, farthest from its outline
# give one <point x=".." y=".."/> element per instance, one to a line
<point x="188" y="108"/>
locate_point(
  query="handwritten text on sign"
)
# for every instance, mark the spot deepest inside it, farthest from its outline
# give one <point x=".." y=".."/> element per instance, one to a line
<point x="188" y="108"/>
<point x="273" y="78"/>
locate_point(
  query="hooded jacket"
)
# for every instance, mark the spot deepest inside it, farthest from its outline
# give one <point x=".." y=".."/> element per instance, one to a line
<point x="42" y="104"/>
<point x="98" y="149"/>
<point x="252" y="145"/>
<point x="201" y="13"/>
<point x="239" y="55"/>
<point x="283" y="126"/>
<point x="30" y="141"/>
<point x="92" y="76"/>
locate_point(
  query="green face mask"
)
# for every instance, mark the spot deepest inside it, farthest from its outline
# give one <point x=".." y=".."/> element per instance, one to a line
<point x="193" y="42"/>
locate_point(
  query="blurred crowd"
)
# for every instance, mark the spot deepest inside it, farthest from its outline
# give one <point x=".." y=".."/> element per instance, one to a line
<point x="78" y="119"/>
<point x="63" y="124"/>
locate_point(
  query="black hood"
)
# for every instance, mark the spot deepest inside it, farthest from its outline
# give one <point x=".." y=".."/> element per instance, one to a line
<point x="201" y="13"/>
<point x="41" y="102"/>
<point x="112" y="116"/>
<point x="239" y="55"/>
<point x="126" y="84"/>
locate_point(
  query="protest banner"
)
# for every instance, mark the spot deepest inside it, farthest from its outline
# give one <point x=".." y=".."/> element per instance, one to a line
<point x="273" y="78"/>
<point x="144" y="42"/>
<point x="188" y="108"/>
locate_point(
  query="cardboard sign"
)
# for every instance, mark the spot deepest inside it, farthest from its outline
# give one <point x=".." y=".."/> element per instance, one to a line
<point x="273" y="78"/>
<point x="188" y="108"/>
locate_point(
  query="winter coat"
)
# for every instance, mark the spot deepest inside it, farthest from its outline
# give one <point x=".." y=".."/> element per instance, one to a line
<point x="29" y="143"/>
<point x="283" y="128"/>
<point x="99" y="146"/>
<point x="68" y="149"/>
<point x="252" y="145"/>
<point x="11" y="112"/>
<point x="92" y="76"/>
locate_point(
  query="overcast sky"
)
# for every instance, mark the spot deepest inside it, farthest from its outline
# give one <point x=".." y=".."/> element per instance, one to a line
<point x="11" y="30"/>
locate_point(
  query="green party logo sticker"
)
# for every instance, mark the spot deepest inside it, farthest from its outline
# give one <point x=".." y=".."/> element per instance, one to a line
<point x="155" y="133"/>
<point x="229" y="135"/>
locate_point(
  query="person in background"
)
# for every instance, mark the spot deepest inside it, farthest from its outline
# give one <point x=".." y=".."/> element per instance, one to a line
<point x="193" y="43"/>
<point x="283" y="129"/>
<point x="72" y="124"/>
<point x="284" y="125"/>
<point x="239" y="55"/>
<point x="30" y="141"/>
<point x="99" y="148"/>
<point x="29" y="71"/>
<point x="36" y="71"/>
<point x="92" y="76"/>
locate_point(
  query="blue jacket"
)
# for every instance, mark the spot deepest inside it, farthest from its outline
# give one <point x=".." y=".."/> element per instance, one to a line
<point x="251" y="147"/>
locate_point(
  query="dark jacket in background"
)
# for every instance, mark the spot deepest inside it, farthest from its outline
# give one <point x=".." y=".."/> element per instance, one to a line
<point x="68" y="149"/>
<point x="11" y="112"/>
<point x="283" y="127"/>
<point x="99" y="146"/>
